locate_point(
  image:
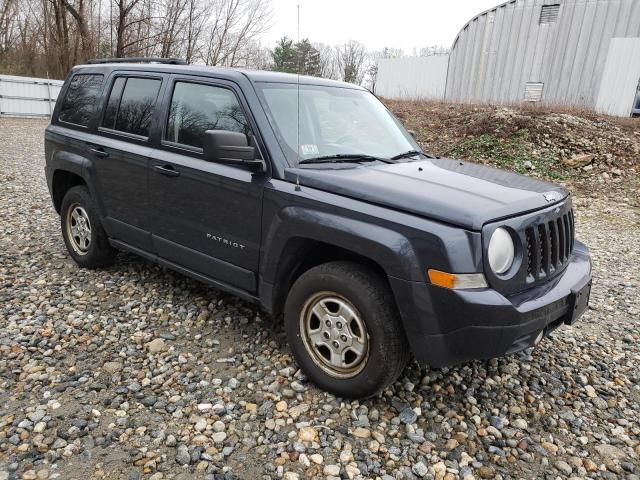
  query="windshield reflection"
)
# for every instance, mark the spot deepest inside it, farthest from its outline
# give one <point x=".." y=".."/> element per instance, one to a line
<point x="332" y="121"/>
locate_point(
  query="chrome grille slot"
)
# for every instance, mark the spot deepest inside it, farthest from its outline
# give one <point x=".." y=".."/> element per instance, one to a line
<point x="555" y="251"/>
<point x="567" y="236"/>
<point x="543" y="240"/>
<point x="561" y="242"/>
<point x="549" y="246"/>
<point x="572" y="227"/>
<point x="530" y="267"/>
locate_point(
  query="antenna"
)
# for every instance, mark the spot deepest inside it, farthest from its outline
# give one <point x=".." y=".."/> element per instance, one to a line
<point x="298" y="103"/>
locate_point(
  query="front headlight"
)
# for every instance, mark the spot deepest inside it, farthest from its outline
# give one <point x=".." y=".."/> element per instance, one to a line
<point x="501" y="251"/>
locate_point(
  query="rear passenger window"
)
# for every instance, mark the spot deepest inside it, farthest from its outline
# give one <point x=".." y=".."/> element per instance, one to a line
<point x="81" y="98"/>
<point x="196" y="108"/>
<point x="114" y="102"/>
<point x="131" y="104"/>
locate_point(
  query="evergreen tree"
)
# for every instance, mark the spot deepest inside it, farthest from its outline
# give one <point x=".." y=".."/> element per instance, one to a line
<point x="308" y="58"/>
<point x="299" y="57"/>
<point x="284" y="56"/>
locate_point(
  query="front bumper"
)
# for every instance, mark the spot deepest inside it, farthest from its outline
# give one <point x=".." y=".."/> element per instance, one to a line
<point x="446" y="327"/>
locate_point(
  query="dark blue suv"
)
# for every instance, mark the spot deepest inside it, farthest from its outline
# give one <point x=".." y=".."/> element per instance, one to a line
<point x="308" y="197"/>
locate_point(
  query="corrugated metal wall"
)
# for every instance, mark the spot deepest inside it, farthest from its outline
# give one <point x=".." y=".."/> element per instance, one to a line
<point x="500" y="51"/>
<point x="412" y="77"/>
<point x="27" y="96"/>
<point x="621" y="77"/>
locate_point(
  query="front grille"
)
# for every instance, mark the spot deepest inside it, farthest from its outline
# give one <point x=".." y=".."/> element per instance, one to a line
<point x="549" y="246"/>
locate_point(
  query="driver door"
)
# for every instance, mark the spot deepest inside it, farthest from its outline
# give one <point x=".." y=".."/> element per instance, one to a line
<point x="206" y="216"/>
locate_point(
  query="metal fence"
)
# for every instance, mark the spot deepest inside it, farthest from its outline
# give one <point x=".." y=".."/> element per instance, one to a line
<point x="27" y="96"/>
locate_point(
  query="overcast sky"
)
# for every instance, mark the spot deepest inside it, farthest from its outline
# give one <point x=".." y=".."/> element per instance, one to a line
<point x="376" y="23"/>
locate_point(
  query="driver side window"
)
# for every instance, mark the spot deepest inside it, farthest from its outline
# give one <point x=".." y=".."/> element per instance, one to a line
<point x="196" y="108"/>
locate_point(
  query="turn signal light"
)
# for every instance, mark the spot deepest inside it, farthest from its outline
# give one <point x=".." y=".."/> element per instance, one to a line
<point x="457" y="281"/>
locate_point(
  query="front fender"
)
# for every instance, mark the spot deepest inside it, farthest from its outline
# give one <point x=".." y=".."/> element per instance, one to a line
<point x="389" y="249"/>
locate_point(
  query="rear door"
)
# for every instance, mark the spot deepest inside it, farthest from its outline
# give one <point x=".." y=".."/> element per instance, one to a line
<point x="122" y="152"/>
<point x="206" y="215"/>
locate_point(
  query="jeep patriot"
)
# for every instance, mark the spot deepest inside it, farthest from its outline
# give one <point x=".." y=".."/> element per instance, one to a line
<point x="309" y="198"/>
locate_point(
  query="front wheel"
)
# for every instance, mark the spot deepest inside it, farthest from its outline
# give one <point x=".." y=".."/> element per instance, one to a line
<point x="343" y="327"/>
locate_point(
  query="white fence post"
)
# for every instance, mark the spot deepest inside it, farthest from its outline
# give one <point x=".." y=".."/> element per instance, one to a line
<point x="49" y="97"/>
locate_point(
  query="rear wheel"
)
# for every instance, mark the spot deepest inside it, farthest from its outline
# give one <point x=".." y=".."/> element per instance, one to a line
<point x="344" y="330"/>
<point x="82" y="231"/>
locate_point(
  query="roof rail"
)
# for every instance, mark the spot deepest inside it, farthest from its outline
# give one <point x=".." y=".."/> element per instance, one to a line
<point x="170" y="61"/>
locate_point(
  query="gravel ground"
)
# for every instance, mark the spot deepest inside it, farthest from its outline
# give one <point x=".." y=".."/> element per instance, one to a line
<point x="136" y="372"/>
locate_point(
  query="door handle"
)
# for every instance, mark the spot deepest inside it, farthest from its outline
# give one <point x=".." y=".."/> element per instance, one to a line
<point x="167" y="170"/>
<point x="99" y="152"/>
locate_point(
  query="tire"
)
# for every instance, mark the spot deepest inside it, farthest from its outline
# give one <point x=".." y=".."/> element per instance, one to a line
<point x="360" y="307"/>
<point x="82" y="230"/>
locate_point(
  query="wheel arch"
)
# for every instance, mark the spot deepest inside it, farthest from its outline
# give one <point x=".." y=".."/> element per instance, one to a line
<point x="63" y="180"/>
<point x="299" y="238"/>
<point x="302" y="254"/>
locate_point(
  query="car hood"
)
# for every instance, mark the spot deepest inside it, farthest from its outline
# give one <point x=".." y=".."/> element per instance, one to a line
<point x="452" y="191"/>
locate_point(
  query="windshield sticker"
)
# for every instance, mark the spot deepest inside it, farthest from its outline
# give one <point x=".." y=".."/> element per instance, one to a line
<point x="310" y="149"/>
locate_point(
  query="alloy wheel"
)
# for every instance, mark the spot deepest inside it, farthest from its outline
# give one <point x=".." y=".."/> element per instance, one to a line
<point x="79" y="229"/>
<point x="334" y="334"/>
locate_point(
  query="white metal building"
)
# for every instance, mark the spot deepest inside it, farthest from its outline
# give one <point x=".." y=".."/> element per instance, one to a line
<point x="27" y="97"/>
<point x="620" y="85"/>
<point x="571" y="52"/>
<point x="413" y="77"/>
<point x="542" y="50"/>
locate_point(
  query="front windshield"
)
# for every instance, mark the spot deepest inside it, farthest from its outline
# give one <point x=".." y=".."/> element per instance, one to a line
<point x="333" y="121"/>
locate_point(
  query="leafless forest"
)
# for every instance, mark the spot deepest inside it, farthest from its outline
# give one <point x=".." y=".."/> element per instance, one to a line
<point x="45" y="38"/>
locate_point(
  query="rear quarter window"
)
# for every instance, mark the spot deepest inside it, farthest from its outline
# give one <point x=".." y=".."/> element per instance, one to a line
<point x="81" y="98"/>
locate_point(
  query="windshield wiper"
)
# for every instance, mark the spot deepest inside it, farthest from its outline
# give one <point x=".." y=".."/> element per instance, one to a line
<point x="411" y="153"/>
<point x="343" y="158"/>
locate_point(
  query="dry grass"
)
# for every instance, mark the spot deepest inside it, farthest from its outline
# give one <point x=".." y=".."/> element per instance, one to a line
<point x="532" y="139"/>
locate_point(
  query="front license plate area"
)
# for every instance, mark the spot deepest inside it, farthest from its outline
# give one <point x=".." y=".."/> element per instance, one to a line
<point x="580" y="302"/>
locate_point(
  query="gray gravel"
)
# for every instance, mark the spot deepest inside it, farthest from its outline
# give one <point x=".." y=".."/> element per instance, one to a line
<point x="135" y="372"/>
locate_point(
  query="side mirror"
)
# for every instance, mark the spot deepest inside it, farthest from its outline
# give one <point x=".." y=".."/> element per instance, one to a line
<point x="225" y="146"/>
<point x="413" y="134"/>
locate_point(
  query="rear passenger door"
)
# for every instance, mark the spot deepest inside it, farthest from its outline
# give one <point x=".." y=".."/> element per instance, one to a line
<point x="206" y="215"/>
<point x="122" y="153"/>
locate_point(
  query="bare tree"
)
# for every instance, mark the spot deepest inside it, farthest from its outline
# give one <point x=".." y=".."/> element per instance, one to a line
<point x="134" y="30"/>
<point x="328" y="64"/>
<point x="8" y="9"/>
<point x="77" y="11"/>
<point x="48" y="37"/>
<point x="432" y="50"/>
<point x="236" y="24"/>
<point x="197" y="15"/>
<point x="256" y="56"/>
<point x="351" y="59"/>
<point x="171" y="26"/>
